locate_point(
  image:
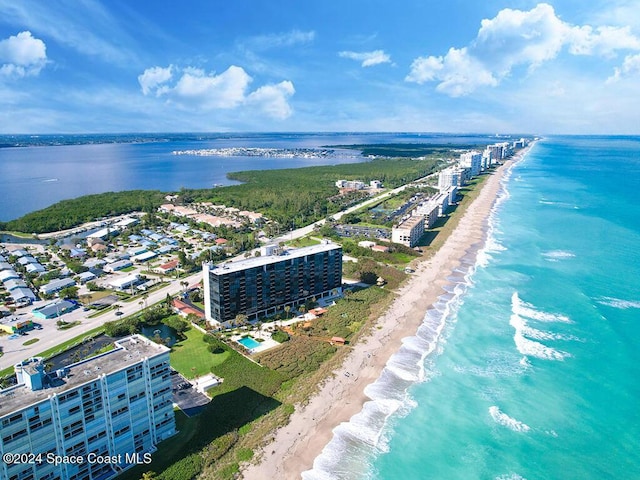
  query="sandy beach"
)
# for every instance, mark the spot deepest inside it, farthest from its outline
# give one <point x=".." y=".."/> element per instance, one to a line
<point x="295" y="446"/>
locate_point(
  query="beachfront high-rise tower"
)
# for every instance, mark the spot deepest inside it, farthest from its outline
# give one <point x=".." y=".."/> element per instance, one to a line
<point x="90" y="420"/>
<point x="263" y="285"/>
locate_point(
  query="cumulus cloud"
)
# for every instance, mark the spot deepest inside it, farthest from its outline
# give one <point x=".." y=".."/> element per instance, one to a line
<point x="272" y="99"/>
<point x="630" y="68"/>
<point x="516" y="38"/>
<point x="22" y="55"/>
<point x="368" y="59"/>
<point x="195" y="88"/>
<point x="153" y="78"/>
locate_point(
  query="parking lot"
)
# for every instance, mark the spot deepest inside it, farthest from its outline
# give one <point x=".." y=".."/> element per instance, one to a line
<point x="185" y="396"/>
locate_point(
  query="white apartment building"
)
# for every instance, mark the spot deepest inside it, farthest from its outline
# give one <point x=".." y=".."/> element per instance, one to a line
<point x="105" y="412"/>
<point x="429" y="210"/>
<point x="409" y="231"/>
<point x="473" y="161"/>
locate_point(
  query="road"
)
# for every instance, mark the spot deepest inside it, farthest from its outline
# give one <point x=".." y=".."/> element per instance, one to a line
<point x="50" y="336"/>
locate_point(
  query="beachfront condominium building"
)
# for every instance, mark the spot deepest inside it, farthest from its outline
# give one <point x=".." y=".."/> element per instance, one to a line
<point x="409" y="231"/>
<point x="89" y="420"/>
<point x="261" y="286"/>
<point x="473" y="161"/>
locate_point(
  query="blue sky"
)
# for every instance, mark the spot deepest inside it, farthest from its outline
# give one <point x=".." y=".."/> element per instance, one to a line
<point x="490" y="66"/>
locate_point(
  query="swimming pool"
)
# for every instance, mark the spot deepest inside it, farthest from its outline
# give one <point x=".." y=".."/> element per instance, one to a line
<point x="248" y="342"/>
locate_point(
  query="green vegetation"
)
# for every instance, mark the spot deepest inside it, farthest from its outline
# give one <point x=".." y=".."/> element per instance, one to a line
<point x="63" y="347"/>
<point x="309" y="193"/>
<point x="301" y="355"/>
<point x="246" y="394"/>
<point x="64" y="325"/>
<point x="193" y="358"/>
<point x="280" y="336"/>
<point x="71" y="213"/>
<point x="31" y="342"/>
<point x="408" y="149"/>
<point x="347" y="317"/>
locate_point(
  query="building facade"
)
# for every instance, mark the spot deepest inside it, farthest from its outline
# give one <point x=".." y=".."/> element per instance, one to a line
<point x="409" y="231"/>
<point x="473" y="161"/>
<point x="91" y="420"/>
<point x="263" y="285"/>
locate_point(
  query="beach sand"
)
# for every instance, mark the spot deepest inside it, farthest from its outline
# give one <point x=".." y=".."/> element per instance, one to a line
<point x="295" y="446"/>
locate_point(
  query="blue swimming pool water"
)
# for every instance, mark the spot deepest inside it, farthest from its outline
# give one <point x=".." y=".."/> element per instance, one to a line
<point x="249" y="342"/>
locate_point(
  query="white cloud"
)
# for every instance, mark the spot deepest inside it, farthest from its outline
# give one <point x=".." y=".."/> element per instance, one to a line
<point x="226" y="90"/>
<point x="194" y="88"/>
<point x="272" y="99"/>
<point x="458" y="72"/>
<point x="86" y="26"/>
<point x="514" y="38"/>
<point x="153" y="78"/>
<point x="630" y="68"/>
<point x="22" y="55"/>
<point x="368" y="59"/>
<point x="278" y="40"/>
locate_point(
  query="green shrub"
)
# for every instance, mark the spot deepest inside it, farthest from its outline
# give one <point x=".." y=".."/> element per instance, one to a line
<point x="280" y="336"/>
<point x="186" y="469"/>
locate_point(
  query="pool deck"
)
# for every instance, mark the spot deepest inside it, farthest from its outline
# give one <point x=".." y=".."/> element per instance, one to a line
<point x="265" y="345"/>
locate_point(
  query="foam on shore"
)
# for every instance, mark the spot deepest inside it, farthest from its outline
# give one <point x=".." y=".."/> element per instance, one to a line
<point x="349" y="454"/>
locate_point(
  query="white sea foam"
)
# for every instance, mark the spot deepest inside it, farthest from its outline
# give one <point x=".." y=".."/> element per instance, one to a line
<point x="532" y="348"/>
<point x="524" y="309"/>
<point x="618" y="303"/>
<point x="556" y="255"/>
<point x="355" y="443"/>
<point x="510" y="476"/>
<point x="524" y="332"/>
<point x="507" y="421"/>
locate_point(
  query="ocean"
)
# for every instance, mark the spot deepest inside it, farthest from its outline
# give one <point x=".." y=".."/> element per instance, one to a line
<point x="528" y="367"/>
<point x="39" y="170"/>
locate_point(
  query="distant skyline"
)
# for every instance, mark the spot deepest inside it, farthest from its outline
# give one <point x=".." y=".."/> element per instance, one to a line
<point x="560" y="67"/>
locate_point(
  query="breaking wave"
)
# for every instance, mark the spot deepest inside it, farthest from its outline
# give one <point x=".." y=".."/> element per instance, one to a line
<point x="507" y="421"/>
<point x="618" y="303"/>
<point x="524" y="333"/>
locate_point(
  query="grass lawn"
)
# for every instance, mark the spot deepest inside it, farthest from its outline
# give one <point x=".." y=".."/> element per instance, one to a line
<point x="191" y="357"/>
<point x="245" y="395"/>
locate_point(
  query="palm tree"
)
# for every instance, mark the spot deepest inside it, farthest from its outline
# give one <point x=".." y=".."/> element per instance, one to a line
<point x="140" y="304"/>
<point x="240" y="319"/>
<point x="287" y="309"/>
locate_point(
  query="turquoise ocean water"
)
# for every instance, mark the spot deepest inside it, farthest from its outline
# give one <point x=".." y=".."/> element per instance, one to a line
<point x="528" y="367"/>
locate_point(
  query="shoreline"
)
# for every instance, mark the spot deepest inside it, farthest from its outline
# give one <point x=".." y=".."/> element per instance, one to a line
<point x="294" y="447"/>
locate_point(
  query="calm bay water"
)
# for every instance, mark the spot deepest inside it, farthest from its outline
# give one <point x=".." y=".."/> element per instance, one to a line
<point x="34" y="177"/>
<point x="528" y="368"/>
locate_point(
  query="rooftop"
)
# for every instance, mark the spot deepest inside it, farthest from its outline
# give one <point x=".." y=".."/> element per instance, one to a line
<point x="129" y="351"/>
<point x="411" y="222"/>
<point x="269" y="259"/>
